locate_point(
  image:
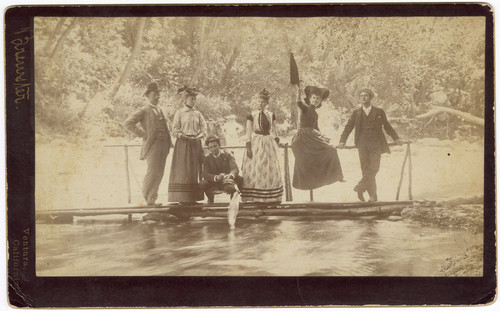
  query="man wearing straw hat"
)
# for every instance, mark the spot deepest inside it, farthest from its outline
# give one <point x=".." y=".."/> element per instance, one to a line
<point x="370" y="141"/>
<point x="156" y="142"/>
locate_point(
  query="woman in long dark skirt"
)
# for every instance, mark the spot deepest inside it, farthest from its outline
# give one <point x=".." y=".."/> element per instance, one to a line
<point x="316" y="162"/>
<point x="190" y="128"/>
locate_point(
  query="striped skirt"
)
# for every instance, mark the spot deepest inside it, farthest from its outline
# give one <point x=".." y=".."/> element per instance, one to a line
<point x="261" y="174"/>
<point x="184" y="172"/>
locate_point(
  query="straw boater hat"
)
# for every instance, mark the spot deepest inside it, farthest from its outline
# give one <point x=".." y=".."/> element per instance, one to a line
<point x="321" y="92"/>
<point x="152" y="87"/>
<point x="366" y="90"/>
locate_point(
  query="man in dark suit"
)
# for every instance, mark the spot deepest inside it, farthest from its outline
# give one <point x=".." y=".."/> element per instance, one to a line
<point x="220" y="172"/>
<point x="370" y="140"/>
<point x="156" y="142"/>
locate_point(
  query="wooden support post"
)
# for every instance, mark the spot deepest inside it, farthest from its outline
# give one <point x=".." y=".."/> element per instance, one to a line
<point x="129" y="218"/>
<point x="410" y="195"/>
<point x="288" y="186"/>
<point x="311" y="195"/>
<point x="402" y="173"/>
<point x="125" y="148"/>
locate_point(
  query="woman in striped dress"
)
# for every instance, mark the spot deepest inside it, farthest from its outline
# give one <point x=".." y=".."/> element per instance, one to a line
<point x="261" y="172"/>
<point x="189" y="127"/>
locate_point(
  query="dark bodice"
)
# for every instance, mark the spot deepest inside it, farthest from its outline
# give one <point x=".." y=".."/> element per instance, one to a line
<point x="308" y="116"/>
<point x="262" y="124"/>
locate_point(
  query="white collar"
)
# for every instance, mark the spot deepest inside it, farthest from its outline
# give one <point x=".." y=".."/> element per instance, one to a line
<point x="367" y="110"/>
<point x="155" y="108"/>
<point x="216" y="156"/>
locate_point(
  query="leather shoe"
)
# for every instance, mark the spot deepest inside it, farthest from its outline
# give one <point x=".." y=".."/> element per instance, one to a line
<point x="360" y="194"/>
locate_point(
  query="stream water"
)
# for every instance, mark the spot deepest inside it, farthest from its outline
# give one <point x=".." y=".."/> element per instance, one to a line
<point x="261" y="247"/>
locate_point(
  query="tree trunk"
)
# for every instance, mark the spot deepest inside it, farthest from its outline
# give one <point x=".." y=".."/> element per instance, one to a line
<point x="227" y="71"/>
<point x="135" y="52"/>
<point x="53" y="34"/>
<point x="342" y="91"/>
<point x="201" y="55"/>
<point x="62" y="38"/>
<point x="464" y="115"/>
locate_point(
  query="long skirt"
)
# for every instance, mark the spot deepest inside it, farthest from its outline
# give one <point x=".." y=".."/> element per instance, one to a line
<point x="316" y="162"/>
<point x="261" y="173"/>
<point x="184" y="172"/>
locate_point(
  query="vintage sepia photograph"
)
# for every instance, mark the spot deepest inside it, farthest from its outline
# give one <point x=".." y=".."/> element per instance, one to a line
<point x="202" y="145"/>
<point x="340" y="146"/>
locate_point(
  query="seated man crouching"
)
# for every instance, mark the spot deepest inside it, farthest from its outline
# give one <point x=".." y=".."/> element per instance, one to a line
<point x="220" y="172"/>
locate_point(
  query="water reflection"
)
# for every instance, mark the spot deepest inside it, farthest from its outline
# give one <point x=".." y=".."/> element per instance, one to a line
<point x="258" y="247"/>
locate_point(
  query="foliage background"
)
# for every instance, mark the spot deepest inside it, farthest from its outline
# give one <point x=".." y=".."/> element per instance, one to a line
<point x="90" y="73"/>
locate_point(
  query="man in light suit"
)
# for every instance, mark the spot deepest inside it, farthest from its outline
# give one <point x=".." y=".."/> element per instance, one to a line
<point x="370" y="140"/>
<point x="156" y="141"/>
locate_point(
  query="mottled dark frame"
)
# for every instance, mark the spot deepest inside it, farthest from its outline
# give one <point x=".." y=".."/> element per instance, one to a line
<point x="28" y="290"/>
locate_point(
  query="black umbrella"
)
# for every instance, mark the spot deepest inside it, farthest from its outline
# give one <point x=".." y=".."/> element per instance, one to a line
<point x="294" y="71"/>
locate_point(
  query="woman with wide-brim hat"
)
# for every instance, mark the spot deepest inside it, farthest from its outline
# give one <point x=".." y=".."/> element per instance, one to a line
<point x="189" y="127"/>
<point x="260" y="170"/>
<point x="317" y="163"/>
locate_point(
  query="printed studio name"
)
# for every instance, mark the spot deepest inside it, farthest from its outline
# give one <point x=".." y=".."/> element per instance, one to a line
<point x="20" y="254"/>
<point x="22" y="83"/>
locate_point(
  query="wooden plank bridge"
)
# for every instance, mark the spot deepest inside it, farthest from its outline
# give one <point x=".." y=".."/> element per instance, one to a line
<point x="247" y="209"/>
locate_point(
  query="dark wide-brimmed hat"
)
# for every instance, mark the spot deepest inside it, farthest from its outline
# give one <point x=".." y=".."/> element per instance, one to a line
<point x="152" y="87"/>
<point x="228" y="185"/>
<point x="188" y="91"/>
<point x="212" y="138"/>
<point x="321" y="92"/>
<point x="367" y="90"/>
<point x="264" y="94"/>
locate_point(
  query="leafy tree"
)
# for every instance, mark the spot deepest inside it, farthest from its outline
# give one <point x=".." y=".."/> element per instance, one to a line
<point x="91" y="72"/>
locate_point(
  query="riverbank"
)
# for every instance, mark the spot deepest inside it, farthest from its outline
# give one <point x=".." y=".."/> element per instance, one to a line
<point x="462" y="213"/>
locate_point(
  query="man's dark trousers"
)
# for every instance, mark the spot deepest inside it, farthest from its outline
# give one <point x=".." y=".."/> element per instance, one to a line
<point x="209" y="186"/>
<point x="369" y="157"/>
<point x="156" y="158"/>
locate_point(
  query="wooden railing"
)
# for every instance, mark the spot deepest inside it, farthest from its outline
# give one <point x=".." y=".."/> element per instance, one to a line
<point x="288" y="185"/>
